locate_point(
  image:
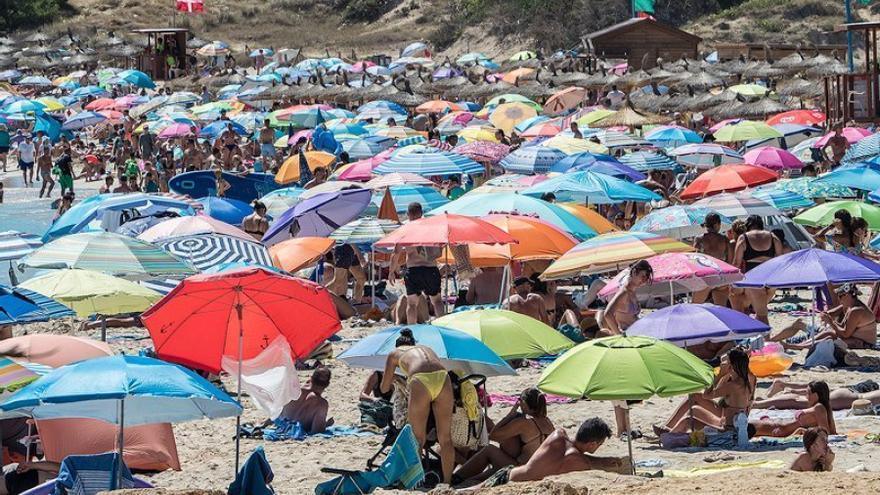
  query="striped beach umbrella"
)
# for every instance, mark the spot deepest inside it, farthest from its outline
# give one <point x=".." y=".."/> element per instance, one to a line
<point x="366" y="147"/>
<point x="428" y="161"/>
<point x="737" y="205"/>
<point x="810" y="187"/>
<point x="612" y="251"/>
<point x="404" y="195"/>
<point x="672" y="135"/>
<point x="366" y="230"/>
<point x="592" y="187"/>
<point x="782" y="200"/>
<point x="705" y="155"/>
<point x="88" y="292"/>
<point x="617" y="139"/>
<point x="14" y="244"/>
<point x="531" y="160"/>
<point x="14" y="376"/>
<point x="645" y="161"/>
<point x="20" y="305"/>
<point x="866" y="148"/>
<point x="106" y="252"/>
<point x="677" y="222"/>
<point x="209" y="250"/>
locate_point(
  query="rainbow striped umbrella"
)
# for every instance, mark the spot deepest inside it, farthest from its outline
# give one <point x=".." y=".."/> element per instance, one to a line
<point x="13" y="376"/>
<point x="612" y="251"/>
<point x="110" y="253"/>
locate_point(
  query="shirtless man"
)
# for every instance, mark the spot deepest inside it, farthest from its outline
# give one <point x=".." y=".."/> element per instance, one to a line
<point x="310" y="409"/>
<point x="44" y="168"/>
<point x="267" y="145"/>
<point x="230" y="142"/>
<point x="485" y="288"/>
<point x="716" y="245"/>
<point x="256" y="224"/>
<point x="838" y="144"/>
<point x="523" y="301"/>
<point x="558" y="454"/>
<point x="421" y="275"/>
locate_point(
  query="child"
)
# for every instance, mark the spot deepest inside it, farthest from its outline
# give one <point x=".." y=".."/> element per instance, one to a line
<point x="818" y="456"/>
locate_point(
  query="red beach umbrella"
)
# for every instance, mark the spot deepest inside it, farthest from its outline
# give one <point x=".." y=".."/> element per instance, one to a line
<point x="800" y="117"/>
<point x="446" y="230"/>
<point x="728" y="178"/>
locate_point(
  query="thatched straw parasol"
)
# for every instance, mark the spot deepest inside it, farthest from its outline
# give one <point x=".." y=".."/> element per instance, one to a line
<point x="629" y="117"/>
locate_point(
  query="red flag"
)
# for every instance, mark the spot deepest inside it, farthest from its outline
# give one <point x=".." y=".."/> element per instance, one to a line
<point x="190" y="6"/>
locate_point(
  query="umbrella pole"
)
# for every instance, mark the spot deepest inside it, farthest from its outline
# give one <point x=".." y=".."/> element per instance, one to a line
<point x="120" y="439"/>
<point x="103" y="328"/>
<point x="671" y="294"/>
<point x="372" y="277"/>
<point x="30" y="440"/>
<point x="503" y="284"/>
<point x="238" y="309"/>
<point x="629" y="442"/>
<point x="12" y="278"/>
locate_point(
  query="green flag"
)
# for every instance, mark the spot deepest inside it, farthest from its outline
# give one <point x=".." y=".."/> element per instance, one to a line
<point x="643" y="6"/>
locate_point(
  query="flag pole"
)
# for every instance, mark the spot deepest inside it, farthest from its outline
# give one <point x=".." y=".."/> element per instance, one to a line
<point x="849" y="35"/>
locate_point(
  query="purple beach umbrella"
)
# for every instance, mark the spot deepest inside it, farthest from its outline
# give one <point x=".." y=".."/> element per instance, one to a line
<point x="811" y="268"/>
<point x="692" y="324"/>
<point x="319" y="215"/>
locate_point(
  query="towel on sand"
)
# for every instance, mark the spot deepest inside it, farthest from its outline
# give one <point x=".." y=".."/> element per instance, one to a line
<point x="286" y="429"/>
<point x="510" y="400"/>
<point x="723" y="468"/>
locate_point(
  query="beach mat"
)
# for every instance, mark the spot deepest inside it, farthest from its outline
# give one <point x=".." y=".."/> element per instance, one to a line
<point x="723" y="468"/>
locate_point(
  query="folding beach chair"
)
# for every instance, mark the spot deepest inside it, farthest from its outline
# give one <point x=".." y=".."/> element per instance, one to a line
<point x="91" y="474"/>
<point x="401" y="469"/>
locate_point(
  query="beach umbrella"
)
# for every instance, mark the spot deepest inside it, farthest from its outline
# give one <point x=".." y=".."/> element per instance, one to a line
<point x="510" y="335"/>
<point x="865" y="178"/>
<point x="811" y="268"/>
<point x="474" y="133"/>
<point x="24" y="107"/>
<point x="457" y="350"/>
<point x="205" y="251"/>
<point x="692" y="324"/>
<point x="397" y="179"/>
<point x="106" y="252"/>
<point x="564" y="100"/>
<point x="236" y="314"/>
<point x="772" y="158"/>
<point x="365" y="230"/>
<point x="366" y="147"/>
<point x="678" y="273"/>
<point x="216" y="128"/>
<point x="544" y="129"/>
<point x="810" y="187"/>
<point x="705" y="155"/>
<point x="571" y="145"/>
<point x="672" y="135"/>
<point x="677" y="221"/>
<point x="626" y="368"/>
<point x="293" y="255"/>
<point x="15" y="245"/>
<point x="20" y="305"/>
<point x="123" y="390"/>
<point x="612" y="251"/>
<point x="438" y="106"/>
<point x="479" y="205"/>
<point x="800" y="117"/>
<point x="749" y="89"/>
<point x="536" y="240"/>
<point x="178" y="130"/>
<point x="428" y="161"/>
<point x="615" y="139"/>
<point x="781" y="199"/>
<point x="405" y="195"/>
<point x="227" y="210"/>
<point x="852" y="134"/>
<point x="52" y="351"/>
<point x="34" y="81"/>
<point x="507" y="115"/>
<point x="602" y="164"/>
<point x="511" y="98"/>
<point x="329" y="187"/>
<point x="445" y="230"/>
<point x="745" y="131"/>
<point x="645" y="161"/>
<point x="737" y="205"/>
<point x="591" y="187"/>
<point x="90" y="292"/>
<point x="136" y="78"/>
<point x="318" y="216"/>
<point x="864" y="149"/>
<point x="727" y="178"/>
<point x="82" y="120"/>
<point x="588" y="216"/>
<point x="483" y="151"/>
<point x="522" y="55"/>
<point x="213" y="49"/>
<point x="292" y="168"/>
<point x="281" y="200"/>
<point x="86" y="91"/>
<point x="531" y="160"/>
<point x="593" y="116"/>
<point x="823" y="214"/>
<point x="190" y="226"/>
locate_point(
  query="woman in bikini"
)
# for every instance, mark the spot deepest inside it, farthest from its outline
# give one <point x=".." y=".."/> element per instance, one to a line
<point x="519" y="434"/>
<point x="852" y="321"/>
<point x="797" y="396"/>
<point x="430" y="389"/>
<point x="623" y="309"/>
<point x="754" y="247"/>
<point x="731" y="394"/>
<point x="819" y="413"/>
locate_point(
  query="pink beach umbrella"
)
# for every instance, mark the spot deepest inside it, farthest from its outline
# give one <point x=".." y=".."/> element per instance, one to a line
<point x="852" y="134"/>
<point x="178" y="130"/>
<point x="361" y="66"/>
<point x="543" y="129"/>
<point x="677" y="273"/>
<point x="304" y="133"/>
<point x="773" y="158"/>
<point x="362" y="170"/>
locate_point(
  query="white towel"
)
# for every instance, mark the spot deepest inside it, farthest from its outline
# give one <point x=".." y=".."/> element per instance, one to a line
<point x="270" y="378"/>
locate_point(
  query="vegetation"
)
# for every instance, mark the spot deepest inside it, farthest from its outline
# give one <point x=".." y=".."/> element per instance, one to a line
<point x="22" y="14"/>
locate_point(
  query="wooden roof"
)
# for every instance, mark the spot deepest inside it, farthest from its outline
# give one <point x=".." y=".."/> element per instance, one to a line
<point x="160" y="30"/>
<point x="857" y="26"/>
<point x="641" y="23"/>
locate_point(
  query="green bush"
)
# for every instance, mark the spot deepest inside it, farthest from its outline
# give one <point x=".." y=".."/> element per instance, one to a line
<point x="18" y="14"/>
<point x="365" y="10"/>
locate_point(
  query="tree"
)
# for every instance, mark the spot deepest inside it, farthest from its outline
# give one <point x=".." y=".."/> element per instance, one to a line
<point x="21" y="14"/>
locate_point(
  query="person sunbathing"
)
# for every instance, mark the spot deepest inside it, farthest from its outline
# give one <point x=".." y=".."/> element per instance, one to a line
<point x="558" y="454"/>
<point x="818" y="456"/>
<point x="852" y="321"/>
<point x="310" y="408"/>
<point x="818" y="413"/>
<point x="734" y="389"/>
<point x="518" y="435"/>
<point x="797" y="396"/>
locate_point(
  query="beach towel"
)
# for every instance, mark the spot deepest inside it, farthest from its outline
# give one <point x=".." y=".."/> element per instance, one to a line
<point x="402" y="468"/>
<point x="723" y="468"/>
<point x="255" y="476"/>
<point x="285" y="429"/>
<point x="90" y="474"/>
<point x="269" y="378"/>
<point x="510" y="400"/>
<point x="784" y="415"/>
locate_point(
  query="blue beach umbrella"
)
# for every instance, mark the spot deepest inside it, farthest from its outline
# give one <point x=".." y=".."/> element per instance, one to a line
<point x="671" y="136"/>
<point x="228" y="210"/>
<point x="383" y="105"/>
<point x="645" y="161"/>
<point x="603" y="164"/>
<point x="82" y="120"/>
<point x="677" y="222"/>
<point x="366" y="147"/>
<point x="34" y="81"/>
<point x="782" y="199"/>
<point x="478" y="205"/>
<point x="532" y="160"/>
<point x="18" y="305"/>
<point x="403" y="195"/>
<point x="457" y="350"/>
<point x="427" y="161"/>
<point x="593" y="188"/>
<point x="136" y="78"/>
<point x="89" y="91"/>
<point x="866" y="148"/>
<point x="865" y="177"/>
<point x="214" y="129"/>
<point x="24" y="106"/>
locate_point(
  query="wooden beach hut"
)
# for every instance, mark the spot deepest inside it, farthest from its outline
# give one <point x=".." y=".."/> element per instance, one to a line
<point x="633" y="39"/>
<point x="165" y="54"/>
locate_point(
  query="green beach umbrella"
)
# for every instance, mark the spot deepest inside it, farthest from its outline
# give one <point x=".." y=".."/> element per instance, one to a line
<point x="749" y="89"/>
<point x="513" y="98"/>
<point x="594" y="116"/>
<point x="823" y="214"/>
<point x="746" y="130"/>
<point x="626" y="368"/>
<point x="511" y="335"/>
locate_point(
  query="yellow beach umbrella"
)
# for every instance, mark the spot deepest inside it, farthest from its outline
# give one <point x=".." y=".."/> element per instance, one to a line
<point x="589" y="216"/>
<point x="52" y="104"/>
<point x="594" y="116"/>
<point x="289" y="171"/>
<point x="478" y="133"/>
<point x="89" y="292"/>
<point x="507" y="115"/>
<point x="571" y="145"/>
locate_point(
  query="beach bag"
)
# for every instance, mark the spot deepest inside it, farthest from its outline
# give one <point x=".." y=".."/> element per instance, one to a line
<point x="379" y="412"/>
<point x="468" y="420"/>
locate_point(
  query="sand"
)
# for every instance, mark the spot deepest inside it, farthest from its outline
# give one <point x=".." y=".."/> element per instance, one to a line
<point x="206" y="448"/>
